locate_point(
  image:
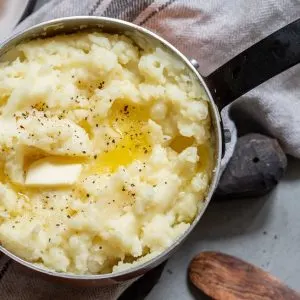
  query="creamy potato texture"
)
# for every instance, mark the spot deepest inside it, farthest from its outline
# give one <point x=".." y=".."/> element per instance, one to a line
<point x="106" y="152"/>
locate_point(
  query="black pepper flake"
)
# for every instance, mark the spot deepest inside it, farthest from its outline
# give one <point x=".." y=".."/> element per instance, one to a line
<point x="68" y="216"/>
<point x="87" y="195"/>
<point x="123" y="189"/>
<point x="97" y="125"/>
<point x="57" y="225"/>
<point x="113" y="141"/>
<point x="165" y="182"/>
<point x="132" y="185"/>
<point x="101" y="84"/>
<point x="84" y="152"/>
<point x="95" y="156"/>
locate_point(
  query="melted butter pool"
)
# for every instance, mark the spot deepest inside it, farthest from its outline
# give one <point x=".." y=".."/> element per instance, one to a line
<point x="205" y="151"/>
<point x="133" y="143"/>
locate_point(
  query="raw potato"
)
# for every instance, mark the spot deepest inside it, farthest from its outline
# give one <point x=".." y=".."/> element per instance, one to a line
<point x="136" y="125"/>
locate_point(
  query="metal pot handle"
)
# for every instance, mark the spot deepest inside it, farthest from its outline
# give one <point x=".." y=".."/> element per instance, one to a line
<point x="265" y="59"/>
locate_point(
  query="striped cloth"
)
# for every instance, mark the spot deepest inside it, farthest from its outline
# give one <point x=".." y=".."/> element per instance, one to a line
<point x="211" y="32"/>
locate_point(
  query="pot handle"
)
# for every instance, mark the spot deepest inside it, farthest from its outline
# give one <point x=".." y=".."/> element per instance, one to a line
<point x="265" y="59"/>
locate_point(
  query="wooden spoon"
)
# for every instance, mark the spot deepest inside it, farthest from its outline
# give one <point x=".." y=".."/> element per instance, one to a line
<point x="225" y="277"/>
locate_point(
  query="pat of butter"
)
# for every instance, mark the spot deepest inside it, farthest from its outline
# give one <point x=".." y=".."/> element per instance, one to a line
<point x="52" y="172"/>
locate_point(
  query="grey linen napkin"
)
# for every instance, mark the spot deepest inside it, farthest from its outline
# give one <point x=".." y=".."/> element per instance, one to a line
<point x="211" y="32"/>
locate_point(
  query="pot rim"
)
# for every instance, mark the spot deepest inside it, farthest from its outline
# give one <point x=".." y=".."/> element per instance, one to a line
<point x="139" y="269"/>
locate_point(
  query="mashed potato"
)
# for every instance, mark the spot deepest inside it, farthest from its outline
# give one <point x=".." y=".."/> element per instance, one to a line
<point x="135" y="123"/>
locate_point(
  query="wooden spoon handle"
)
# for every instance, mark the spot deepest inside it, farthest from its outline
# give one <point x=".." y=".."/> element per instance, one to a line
<point x="225" y="277"/>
